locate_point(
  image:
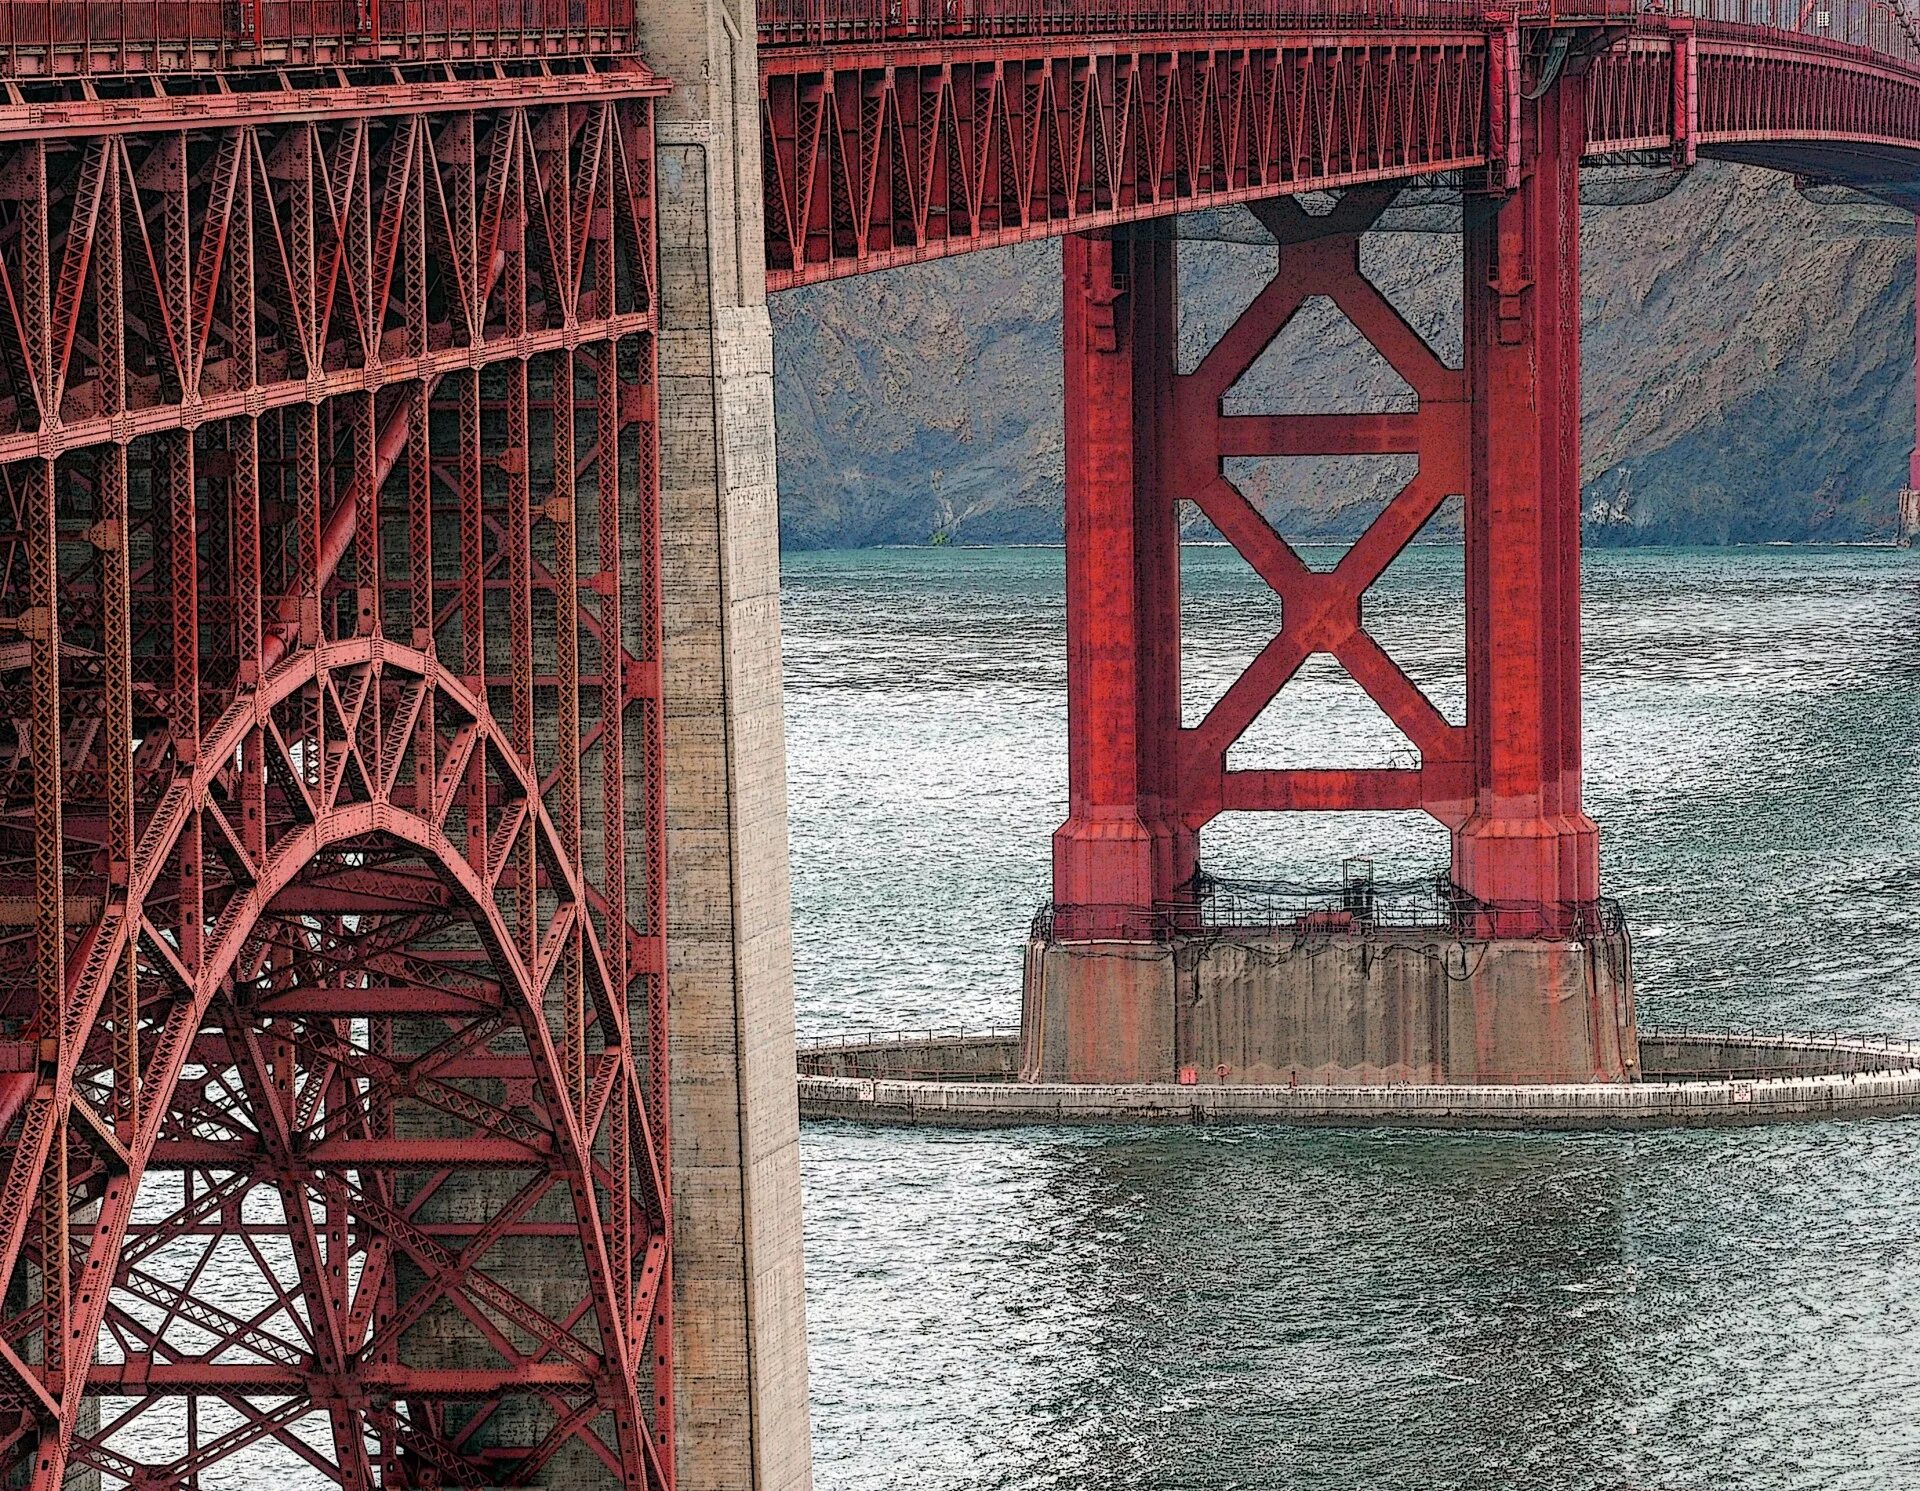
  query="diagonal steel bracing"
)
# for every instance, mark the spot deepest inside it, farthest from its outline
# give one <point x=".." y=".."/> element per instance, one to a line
<point x="331" y="1028"/>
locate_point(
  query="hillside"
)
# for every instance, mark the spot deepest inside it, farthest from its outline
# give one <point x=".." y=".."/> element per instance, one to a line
<point x="1748" y="376"/>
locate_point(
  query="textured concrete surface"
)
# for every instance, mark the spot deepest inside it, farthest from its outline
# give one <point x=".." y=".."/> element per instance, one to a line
<point x="739" y="1297"/>
<point x="1099" y="1012"/>
<point x="1326" y="1008"/>
<point x="992" y="1056"/>
<point x="1860" y="1079"/>
<point x="1672" y="1057"/>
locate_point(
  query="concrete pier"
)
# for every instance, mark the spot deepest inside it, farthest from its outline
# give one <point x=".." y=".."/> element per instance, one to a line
<point x="739" y="1301"/>
<point x="1325" y="1008"/>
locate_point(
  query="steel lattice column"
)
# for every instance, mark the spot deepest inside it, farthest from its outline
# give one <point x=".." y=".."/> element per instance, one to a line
<point x="332" y="1030"/>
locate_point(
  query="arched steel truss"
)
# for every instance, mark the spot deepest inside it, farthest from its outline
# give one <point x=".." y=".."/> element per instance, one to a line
<point x="332" y="1058"/>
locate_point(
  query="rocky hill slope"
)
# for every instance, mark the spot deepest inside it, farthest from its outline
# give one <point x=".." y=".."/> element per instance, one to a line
<point x="1748" y="376"/>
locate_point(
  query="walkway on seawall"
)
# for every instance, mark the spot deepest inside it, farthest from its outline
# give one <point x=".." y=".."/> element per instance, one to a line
<point x="1709" y="1079"/>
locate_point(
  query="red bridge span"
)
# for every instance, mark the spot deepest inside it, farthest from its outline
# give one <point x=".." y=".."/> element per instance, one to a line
<point x="343" y="398"/>
<point x="895" y="132"/>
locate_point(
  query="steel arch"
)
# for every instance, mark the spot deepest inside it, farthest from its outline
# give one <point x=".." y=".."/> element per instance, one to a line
<point x="331" y="824"/>
<point x="588" y="1114"/>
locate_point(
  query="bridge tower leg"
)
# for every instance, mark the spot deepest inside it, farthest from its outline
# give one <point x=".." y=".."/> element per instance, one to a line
<point x="1122" y="846"/>
<point x="1131" y="977"/>
<point x="1124" y="849"/>
<point x="1528" y="841"/>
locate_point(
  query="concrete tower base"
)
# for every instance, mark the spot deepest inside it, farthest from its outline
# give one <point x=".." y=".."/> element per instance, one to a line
<point x="1327" y="1009"/>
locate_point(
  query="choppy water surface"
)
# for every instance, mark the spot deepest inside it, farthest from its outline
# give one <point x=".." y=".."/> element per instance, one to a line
<point x="1369" y="1312"/>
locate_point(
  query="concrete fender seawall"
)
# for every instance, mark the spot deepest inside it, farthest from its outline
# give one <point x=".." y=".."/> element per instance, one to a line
<point x="1836" y="1078"/>
<point x="1257" y="1006"/>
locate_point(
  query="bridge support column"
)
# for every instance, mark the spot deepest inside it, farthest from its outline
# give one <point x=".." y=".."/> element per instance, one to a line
<point x="1528" y="841"/>
<point x="1118" y="853"/>
<point x="1142" y="972"/>
<point x="1123" y="852"/>
<point x="739" y="1301"/>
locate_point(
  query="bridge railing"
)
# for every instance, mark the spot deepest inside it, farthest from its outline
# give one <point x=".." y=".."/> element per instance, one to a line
<point x="1438" y="909"/>
<point x="63" y="36"/>
<point x="1883" y="26"/>
<point x="835" y="22"/>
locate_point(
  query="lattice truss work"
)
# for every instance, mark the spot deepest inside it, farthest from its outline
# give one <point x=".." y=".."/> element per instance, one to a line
<point x="1323" y="611"/>
<point x="884" y="158"/>
<point x="332" y="1108"/>
<point x="877" y="155"/>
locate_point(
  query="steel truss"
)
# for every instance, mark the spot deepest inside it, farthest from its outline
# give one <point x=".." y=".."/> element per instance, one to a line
<point x="879" y="154"/>
<point x="332" y="1058"/>
<point x="1689" y="86"/>
<point x="881" y="158"/>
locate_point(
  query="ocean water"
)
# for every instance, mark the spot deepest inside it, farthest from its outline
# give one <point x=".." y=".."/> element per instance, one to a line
<point x="1369" y="1312"/>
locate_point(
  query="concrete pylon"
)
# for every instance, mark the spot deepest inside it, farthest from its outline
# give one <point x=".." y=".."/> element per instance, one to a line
<point x="739" y="1300"/>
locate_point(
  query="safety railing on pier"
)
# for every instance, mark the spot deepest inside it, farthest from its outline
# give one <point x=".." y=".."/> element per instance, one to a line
<point x="1355" y="909"/>
<point x="1884" y="26"/>
<point x="892" y="1036"/>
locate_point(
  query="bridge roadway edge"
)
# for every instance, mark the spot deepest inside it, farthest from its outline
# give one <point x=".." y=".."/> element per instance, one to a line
<point x="740" y="1345"/>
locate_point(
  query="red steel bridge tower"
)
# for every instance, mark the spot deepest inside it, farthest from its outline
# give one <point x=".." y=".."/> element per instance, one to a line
<point x="1502" y="432"/>
<point x="895" y="133"/>
<point x="332" y="1061"/>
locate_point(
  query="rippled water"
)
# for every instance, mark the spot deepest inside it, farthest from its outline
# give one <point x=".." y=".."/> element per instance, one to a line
<point x="1369" y="1312"/>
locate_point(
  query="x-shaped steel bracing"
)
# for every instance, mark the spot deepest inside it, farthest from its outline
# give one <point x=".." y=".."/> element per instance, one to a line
<point x="1322" y="611"/>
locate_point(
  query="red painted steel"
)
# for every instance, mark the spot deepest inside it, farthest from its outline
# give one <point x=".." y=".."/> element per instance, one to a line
<point x="1502" y="432"/>
<point x="1119" y="846"/>
<point x="896" y="132"/>
<point x="1527" y="842"/>
<point x="52" y="38"/>
<point x="1322" y="610"/>
<point x="1875" y="25"/>
<point x="332" y="1041"/>
<point x="886" y="159"/>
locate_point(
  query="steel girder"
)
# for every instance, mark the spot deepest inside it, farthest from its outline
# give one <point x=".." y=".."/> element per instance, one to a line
<point x="332" y="1042"/>
<point x="882" y="153"/>
<point x="878" y="159"/>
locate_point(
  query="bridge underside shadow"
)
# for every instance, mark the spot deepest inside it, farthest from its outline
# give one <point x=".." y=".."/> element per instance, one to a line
<point x="1888" y="172"/>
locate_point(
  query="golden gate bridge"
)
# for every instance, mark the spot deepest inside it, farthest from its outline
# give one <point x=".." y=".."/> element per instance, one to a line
<point x="334" y="562"/>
